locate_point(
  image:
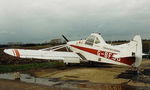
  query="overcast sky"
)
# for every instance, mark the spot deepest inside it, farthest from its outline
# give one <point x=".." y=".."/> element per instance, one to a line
<point x="40" y="20"/>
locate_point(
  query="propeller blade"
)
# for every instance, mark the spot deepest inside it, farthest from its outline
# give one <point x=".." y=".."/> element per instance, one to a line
<point x="65" y="38"/>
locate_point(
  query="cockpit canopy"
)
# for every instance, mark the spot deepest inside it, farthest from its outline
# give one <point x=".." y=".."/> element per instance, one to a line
<point x="92" y="39"/>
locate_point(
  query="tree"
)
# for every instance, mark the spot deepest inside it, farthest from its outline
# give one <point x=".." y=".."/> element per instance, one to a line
<point x="56" y="41"/>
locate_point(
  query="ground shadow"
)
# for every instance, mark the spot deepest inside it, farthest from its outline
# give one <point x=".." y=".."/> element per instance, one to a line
<point x="143" y="76"/>
<point x="146" y="72"/>
<point x="91" y="65"/>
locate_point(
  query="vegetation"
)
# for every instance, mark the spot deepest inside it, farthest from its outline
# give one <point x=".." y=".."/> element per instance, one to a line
<point x="24" y="67"/>
<point x="21" y="44"/>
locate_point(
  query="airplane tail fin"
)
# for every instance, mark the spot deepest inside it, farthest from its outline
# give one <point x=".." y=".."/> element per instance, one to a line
<point x="138" y="53"/>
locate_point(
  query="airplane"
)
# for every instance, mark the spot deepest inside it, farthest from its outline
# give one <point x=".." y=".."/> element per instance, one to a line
<point x="94" y="49"/>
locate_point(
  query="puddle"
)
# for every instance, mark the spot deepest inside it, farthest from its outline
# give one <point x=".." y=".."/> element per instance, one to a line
<point x="70" y="84"/>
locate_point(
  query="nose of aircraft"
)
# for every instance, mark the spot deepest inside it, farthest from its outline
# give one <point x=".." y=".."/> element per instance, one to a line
<point x="9" y="52"/>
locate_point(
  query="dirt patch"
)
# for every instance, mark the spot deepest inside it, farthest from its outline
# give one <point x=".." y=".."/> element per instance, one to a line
<point x="17" y="85"/>
<point x="95" y="74"/>
<point x="113" y="74"/>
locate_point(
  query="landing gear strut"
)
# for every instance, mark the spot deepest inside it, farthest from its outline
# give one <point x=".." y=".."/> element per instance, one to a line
<point x="136" y="70"/>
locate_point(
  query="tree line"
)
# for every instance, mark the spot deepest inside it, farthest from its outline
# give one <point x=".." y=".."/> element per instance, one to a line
<point x="146" y="43"/>
<point x="51" y="42"/>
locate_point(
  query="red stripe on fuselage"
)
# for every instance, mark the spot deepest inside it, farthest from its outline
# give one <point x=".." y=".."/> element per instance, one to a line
<point x="93" y="51"/>
<point x="107" y="55"/>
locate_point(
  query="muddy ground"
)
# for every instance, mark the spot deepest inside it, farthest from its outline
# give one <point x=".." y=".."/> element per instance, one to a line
<point x="100" y="73"/>
<point x="91" y="77"/>
<point x="17" y="85"/>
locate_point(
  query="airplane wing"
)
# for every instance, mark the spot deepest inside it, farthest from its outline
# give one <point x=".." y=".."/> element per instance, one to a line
<point x="67" y="57"/>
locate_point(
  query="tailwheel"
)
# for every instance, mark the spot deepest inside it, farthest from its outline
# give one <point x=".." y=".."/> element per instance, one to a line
<point x="136" y="70"/>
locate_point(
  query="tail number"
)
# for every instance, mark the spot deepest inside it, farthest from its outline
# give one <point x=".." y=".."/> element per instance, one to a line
<point x="107" y="55"/>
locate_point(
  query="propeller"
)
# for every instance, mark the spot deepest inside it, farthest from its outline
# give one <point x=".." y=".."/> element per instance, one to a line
<point x="65" y="38"/>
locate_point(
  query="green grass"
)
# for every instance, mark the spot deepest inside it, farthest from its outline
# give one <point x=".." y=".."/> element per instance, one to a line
<point x="24" y="67"/>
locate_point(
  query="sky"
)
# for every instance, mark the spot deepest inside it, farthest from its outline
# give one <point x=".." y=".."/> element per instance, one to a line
<point x="31" y="21"/>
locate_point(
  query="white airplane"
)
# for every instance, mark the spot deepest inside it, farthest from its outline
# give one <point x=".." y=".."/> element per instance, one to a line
<point x="94" y="48"/>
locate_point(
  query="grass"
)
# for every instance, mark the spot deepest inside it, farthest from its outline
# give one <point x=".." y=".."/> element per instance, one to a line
<point x="24" y="67"/>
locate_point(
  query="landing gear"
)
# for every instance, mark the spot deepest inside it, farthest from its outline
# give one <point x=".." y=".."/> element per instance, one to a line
<point x="136" y="71"/>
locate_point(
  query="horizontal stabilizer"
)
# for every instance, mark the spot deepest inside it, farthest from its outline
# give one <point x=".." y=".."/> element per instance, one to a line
<point x="119" y="56"/>
<point x="144" y="54"/>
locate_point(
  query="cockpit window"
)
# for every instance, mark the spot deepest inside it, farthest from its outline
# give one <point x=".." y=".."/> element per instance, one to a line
<point x="97" y="41"/>
<point x="90" y="40"/>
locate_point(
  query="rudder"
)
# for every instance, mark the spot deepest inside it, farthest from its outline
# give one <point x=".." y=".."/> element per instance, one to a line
<point x="138" y="53"/>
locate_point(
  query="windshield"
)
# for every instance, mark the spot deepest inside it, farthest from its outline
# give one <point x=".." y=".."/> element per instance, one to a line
<point x="90" y="40"/>
<point x="97" y="41"/>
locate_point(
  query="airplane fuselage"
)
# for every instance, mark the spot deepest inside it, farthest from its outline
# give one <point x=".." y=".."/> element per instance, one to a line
<point x="99" y="53"/>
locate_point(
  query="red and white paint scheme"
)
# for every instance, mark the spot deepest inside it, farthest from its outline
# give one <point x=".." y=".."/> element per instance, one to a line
<point x="94" y="48"/>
